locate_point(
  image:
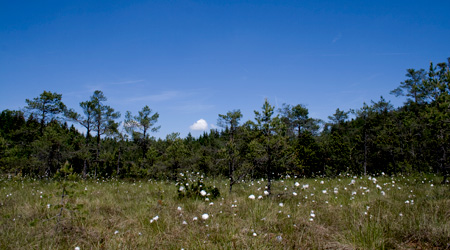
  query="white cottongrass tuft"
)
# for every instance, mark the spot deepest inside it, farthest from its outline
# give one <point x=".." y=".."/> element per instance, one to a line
<point x="266" y="192"/>
<point x="203" y="192"/>
<point x="154" y="219"/>
<point x="205" y="216"/>
<point x="251" y="197"/>
<point x="297" y="184"/>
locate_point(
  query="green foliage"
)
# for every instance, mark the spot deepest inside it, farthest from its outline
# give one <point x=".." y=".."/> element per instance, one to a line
<point x="139" y="127"/>
<point x="372" y="139"/>
<point x="231" y="152"/>
<point x="66" y="172"/>
<point x="47" y="107"/>
<point x="192" y="186"/>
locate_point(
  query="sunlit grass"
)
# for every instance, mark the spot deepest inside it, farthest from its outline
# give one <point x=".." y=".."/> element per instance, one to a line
<point x="340" y="213"/>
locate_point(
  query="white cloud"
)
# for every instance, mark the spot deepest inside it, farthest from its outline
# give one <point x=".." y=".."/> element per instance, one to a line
<point x="200" y="125"/>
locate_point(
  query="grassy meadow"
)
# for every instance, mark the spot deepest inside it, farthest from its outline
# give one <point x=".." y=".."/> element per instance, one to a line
<point x="346" y="212"/>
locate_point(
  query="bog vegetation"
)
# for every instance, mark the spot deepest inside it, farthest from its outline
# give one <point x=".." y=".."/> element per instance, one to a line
<point x="118" y="168"/>
<point x="345" y="212"/>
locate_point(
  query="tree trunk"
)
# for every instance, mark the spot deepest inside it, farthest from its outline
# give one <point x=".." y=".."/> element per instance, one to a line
<point x="365" y="153"/>
<point x="118" y="161"/>
<point x="88" y="130"/>
<point x="269" y="170"/>
<point x="84" y="169"/>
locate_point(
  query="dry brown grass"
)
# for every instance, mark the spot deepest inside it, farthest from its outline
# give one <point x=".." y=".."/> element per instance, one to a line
<point x="113" y="214"/>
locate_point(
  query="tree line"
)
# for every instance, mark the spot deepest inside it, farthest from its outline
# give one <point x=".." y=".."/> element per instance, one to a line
<point x="375" y="138"/>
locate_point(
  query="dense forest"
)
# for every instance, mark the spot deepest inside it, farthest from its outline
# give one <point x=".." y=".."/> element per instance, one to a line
<point x="42" y="141"/>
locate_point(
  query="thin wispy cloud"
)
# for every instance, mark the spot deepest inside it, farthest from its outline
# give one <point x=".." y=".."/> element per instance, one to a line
<point x="93" y="87"/>
<point x="337" y="37"/>
<point x="90" y="88"/>
<point x="127" y="82"/>
<point x="164" y="96"/>
<point x="193" y="108"/>
<point x="336" y="54"/>
<point x="79" y="94"/>
<point x="392" y="54"/>
<point x="366" y="79"/>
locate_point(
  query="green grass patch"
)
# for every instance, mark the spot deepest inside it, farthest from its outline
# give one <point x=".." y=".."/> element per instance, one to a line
<point x="400" y="212"/>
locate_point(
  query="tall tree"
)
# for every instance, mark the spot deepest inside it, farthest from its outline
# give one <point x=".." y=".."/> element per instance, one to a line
<point x="295" y="118"/>
<point x="339" y="117"/>
<point x="230" y="122"/>
<point x="364" y="114"/>
<point x="272" y="139"/>
<point x="51" y="150"/>
<point x="438" y="114"/>
<point x="413" y="86"/>
<point x="103" y="118"/>
<point x="336" y="143"/>
<point x="175" y="155"/>
<point x="141" y="125"/>
<point x="301" y="130"/>
<point x="87" y="121"/>
<point x="383" y="137"/>
<point x="47" y="106"/>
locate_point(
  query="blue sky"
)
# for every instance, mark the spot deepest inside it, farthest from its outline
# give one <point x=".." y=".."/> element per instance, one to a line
<point x="192" y="60"/>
